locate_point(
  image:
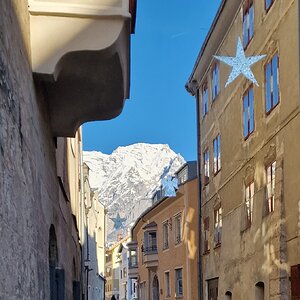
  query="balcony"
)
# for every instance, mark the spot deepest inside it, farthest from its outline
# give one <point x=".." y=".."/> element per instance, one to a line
<point x="133" y="267"/>
<point x="151" y="256"/>
<point x="132" y="260"/>
<point x="80" y="55"/>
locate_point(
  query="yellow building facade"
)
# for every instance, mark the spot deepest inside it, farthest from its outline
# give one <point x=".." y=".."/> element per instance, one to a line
<point x="164" y="244"/>
<point x="113" y="263"/>
<point x="249" y="141"/>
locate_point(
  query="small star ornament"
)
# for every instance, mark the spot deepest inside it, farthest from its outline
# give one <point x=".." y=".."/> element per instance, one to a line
<point x="118" y="222"/>
<point x="169" y="186"/>
<point x="240" y="64"/>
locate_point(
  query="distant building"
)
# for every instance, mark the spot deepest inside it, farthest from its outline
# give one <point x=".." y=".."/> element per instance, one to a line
<point x="94" y="248"/>
<point x="113" y="271"/>
<point x="249" y="152"/>
<point x="163" y="251"/>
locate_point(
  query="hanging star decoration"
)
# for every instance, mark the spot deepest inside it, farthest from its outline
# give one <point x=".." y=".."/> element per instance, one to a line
<point x="240" y="64"/>
<point x="169" y="186"/>
<point x="118" y="222"/>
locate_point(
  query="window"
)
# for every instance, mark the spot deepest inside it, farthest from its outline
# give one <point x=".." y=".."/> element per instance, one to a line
<point x="124" y="272"/>
<point x="272" y="83"/>
<point x="270" y="170"/>
<point x="183" y="176"/>
<point x="165" y="235"/>
<point x="204" y="99"/>
<point x="179" y="286"/>
<point x="133" y="263"/>
<point x="217" y="154"/>
<point x="215" y="82"/>
<point x="150" y="242"/>
<point x="248" y="22"/>
<point x="206" y="235"/>
<point x="248" y="112"/>
<point x="206" y="166"/>
<point x="212" y="289"/>
<point x="178" y="229"/>
<point x="268" y="4"/>
<point x="167" y="284"/>
<point x="218" y="225"/>
<point x="249" y="192"/>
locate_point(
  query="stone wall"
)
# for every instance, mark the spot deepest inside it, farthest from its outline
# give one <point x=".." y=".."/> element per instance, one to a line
<point x="31" y="198"/>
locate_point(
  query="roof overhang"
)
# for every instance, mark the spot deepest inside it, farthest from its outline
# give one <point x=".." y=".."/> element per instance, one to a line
<point x="80" y="52"/>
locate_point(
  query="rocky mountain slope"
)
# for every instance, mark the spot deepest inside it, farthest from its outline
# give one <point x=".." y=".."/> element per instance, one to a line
<point x="127" y="178"/>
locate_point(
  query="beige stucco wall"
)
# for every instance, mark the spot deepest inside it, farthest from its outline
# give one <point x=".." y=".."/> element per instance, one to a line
<point x="182" y="255"/>
<point x="266" y="251"/>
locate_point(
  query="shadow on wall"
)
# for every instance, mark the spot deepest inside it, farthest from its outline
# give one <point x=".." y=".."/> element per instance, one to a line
<point x="92" y="285"/>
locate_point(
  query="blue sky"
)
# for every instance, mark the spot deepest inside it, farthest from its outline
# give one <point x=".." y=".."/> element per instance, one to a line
<point x="168" y="37"/>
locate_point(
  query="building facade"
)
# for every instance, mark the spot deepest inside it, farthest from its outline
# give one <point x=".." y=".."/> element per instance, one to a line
<point x="248" y="141"/>
<point x="94" y="248"/>
<point x="163" y="251"/>
<point x="116" y="281"/>
<point x="41" y="207"/>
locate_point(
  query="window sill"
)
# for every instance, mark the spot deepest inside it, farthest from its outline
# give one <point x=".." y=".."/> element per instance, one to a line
<point x="268" y="9"/>
<point x="268" y="213"/>
<point x="270" y="111"/>
<point x="217" y="172"/>
<point x="246" y="138"/>
<point x="247" y="228"/>
<point x="178" y="244"/>
<point x="218" y="246"/>
<point x="206" y="252"/>
<point x="213" y="100"/>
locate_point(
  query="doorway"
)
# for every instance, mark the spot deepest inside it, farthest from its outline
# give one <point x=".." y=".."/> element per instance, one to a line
<point x="155" y="288"/>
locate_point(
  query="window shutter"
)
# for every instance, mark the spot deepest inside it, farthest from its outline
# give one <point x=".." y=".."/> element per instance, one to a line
<point x="245" y="112"/>
<point x="251" y="16"/>
<point x="268" y="87"/>
<point x="145" y="240"/>
<point x="251" y="104"/>
<point x="245" y="31"/>
<point x="275" y="79"/>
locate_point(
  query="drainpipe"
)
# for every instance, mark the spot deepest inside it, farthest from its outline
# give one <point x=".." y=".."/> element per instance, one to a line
<point x="193" y="89"/>
<point x="82" y="217"/>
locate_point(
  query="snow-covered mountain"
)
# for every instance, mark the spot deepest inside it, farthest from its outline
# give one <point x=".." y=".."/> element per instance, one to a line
<point x="127" y="178"/>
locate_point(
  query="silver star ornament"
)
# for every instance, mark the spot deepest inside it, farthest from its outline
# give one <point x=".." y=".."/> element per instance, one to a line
<point x="240" y="64"/>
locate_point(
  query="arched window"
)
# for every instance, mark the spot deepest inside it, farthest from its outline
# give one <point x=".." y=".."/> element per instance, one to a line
<point x="228" y="295"/>
<point x="260" y="291"/>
